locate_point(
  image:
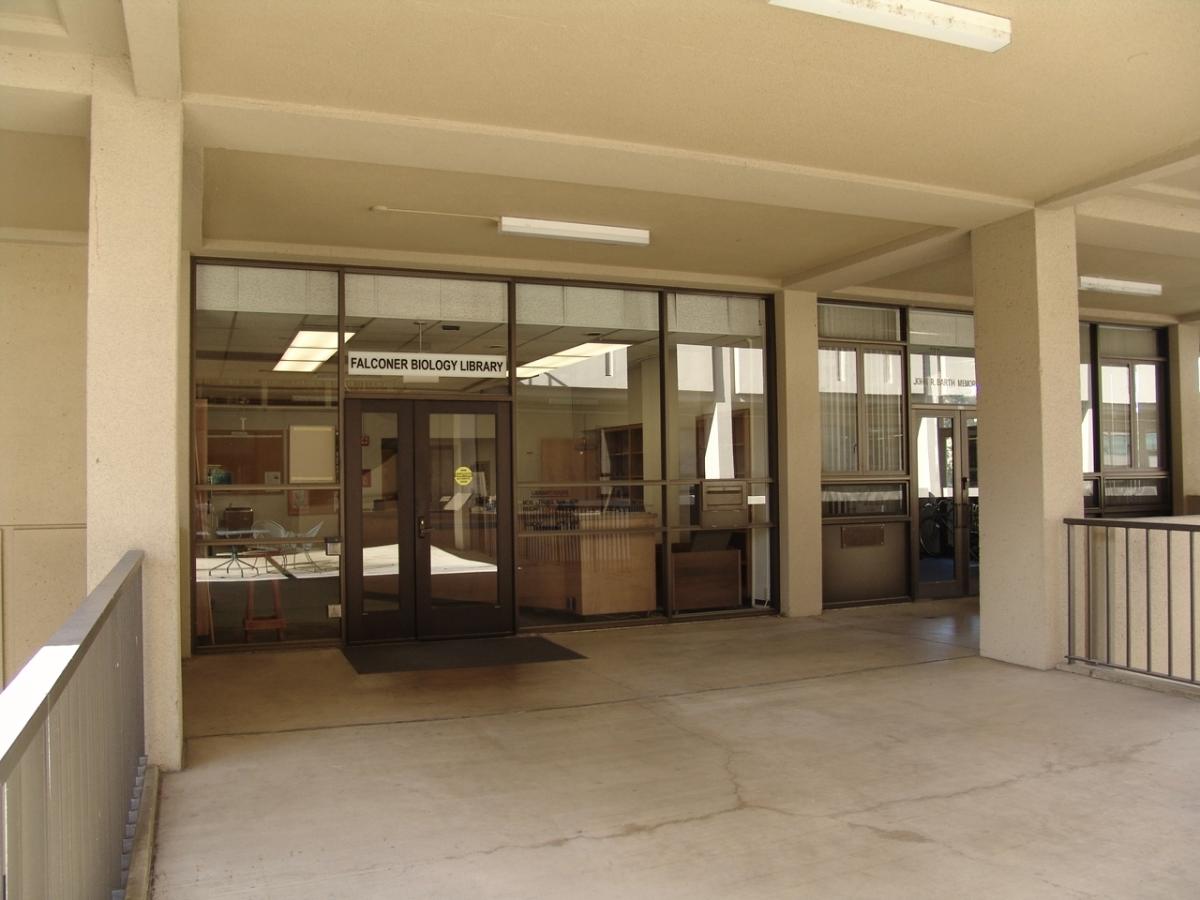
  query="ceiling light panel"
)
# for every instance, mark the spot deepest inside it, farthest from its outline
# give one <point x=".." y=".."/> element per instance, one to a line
<point x="921" y="18"/>
<point x="1117" y="286"/>
<point x="574" y="231"/>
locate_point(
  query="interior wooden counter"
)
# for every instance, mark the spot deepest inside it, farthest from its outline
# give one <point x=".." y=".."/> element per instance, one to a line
<point x="611" y="571"/>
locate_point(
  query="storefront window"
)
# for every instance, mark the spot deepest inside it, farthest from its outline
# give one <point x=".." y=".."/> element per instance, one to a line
<point x="877" y="410"/>
<point x="1087" y="428"/>
<point x="1125" y="389"/>
<point x="635" y="466"/>
<point x="942" y="358"/>
<point x="717" y="379"/>
<point x="587" y="422"/>
<point x="838" y="381"/>
<point x="266" y="487"/>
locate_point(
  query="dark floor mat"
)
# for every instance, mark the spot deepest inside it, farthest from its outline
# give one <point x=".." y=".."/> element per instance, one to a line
<point x="372" y="659"/>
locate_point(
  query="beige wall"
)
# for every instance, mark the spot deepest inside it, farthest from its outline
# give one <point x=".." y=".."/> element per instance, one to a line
<point x="43" y="291"/>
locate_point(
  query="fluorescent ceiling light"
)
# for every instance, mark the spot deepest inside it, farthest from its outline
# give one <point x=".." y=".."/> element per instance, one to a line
<point x="574" y="231"/>
<point x="309" y="350"/>
<point x="569" y="357"/>
<point x="921" y="18"/>
<point x="1116" y="286"/>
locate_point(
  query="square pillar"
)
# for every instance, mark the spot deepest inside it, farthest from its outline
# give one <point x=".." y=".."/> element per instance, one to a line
<point x="1030" y="463"/>
<point x="798" y="416"/>
<point x="136" y="428"/>
<point x="1184" y="391"/>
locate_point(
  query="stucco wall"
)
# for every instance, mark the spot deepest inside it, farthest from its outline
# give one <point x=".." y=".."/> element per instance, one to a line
<point x="43" y="296"/>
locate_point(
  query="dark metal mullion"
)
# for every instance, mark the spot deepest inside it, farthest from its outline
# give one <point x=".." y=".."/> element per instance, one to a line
<point x="341" y="420"/>
<point x="773" y="416"/>
<point x="666" y="577"/>
<point x="512" y="451"/>
<point x="193" y="476"/>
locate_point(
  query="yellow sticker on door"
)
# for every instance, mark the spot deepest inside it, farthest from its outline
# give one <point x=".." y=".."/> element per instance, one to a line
<point x="463" y="475"/>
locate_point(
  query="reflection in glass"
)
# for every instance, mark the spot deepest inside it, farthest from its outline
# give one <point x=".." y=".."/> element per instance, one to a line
<point x="1147" y="493"/>
<point x="1145" y="392"/>
<point x="558" y="508"/>
<point x="882" y="381"/>
<point x="855" y="322"/>
<point x="971" y="501"/>
<point x="717" y="381"/>
<point x="250" y="592"/>
<point x="381" y="477"/>
<point x="722" y="569"/>
<point x="845" y="500"/>
<point x="460" y="522"/>
<point x="943" y="376"/>
<point x="587" y="386"/>
<point x="440" y="320"/>
<point x="1087" y="428"/>
<point x="264" y="343"/>
<point x="1115" y="420"/>
<point x="718" y="504"/>
<point x="1128" y="340"/>
<point x="935" y="470"/>
<point x="838" y="382"/>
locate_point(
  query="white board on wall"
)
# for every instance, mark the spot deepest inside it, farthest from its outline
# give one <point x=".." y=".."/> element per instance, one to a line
<point x="311" y="454"/>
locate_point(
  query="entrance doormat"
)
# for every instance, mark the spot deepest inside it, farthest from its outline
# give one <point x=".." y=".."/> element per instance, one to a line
<point x="373" y="659"/>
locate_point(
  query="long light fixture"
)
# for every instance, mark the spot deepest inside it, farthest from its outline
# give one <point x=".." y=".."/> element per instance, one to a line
<point x="568" y="357"/>
<point x="930" y="19"/>
<point x="1116" y="286"/>
<point x="574" y="231"/>
<point x="309" y="350"/>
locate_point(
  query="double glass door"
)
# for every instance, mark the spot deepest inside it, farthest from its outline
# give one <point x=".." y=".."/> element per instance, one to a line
<point x="946" y="509"/>
<point x="428" y="519"/>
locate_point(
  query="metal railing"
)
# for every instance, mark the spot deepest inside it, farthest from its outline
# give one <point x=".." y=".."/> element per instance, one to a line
<point x="1131" y="596"/>
<point x="72" y="743"/>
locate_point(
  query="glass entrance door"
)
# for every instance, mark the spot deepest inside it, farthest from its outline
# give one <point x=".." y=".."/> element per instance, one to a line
<point x="946" y="511"/>
<point x="428" y="520"/>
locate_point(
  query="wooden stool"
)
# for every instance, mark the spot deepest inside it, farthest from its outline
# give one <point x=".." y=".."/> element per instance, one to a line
<point x="274" y="622"/>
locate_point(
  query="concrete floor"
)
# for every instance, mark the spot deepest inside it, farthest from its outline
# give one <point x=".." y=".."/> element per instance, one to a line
<point x="869" y="753"/>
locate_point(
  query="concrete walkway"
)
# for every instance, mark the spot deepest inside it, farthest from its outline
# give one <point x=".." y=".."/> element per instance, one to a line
<point x="869" y="753"/>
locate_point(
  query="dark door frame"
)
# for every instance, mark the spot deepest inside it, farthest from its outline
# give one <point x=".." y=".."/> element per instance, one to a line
<point x="416" y="617"/>
<point x="962" y="584"/>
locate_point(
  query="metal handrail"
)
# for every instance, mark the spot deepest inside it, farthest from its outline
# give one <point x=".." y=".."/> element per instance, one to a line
<point x="1132" y="602"/>
<point x="47" y="720"/>
<point x="1151" y="524"/>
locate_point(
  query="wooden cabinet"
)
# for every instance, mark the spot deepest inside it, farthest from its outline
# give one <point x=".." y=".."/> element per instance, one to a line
<point x="598" y="571"/>
<point x="707" y="579"/>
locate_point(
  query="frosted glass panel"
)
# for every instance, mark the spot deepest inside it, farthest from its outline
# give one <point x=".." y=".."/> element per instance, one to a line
<point x="862" y="323"/>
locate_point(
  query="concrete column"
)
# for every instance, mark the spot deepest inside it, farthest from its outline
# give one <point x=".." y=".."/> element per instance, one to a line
<point x="1030" y="461"/>
<point x="1184" y="391"/>
<point x="136" y="427"/>
<point x="798" y="414"/>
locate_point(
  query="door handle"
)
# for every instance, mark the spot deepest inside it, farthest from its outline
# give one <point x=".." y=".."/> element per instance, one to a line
<point x="422" y="528"/>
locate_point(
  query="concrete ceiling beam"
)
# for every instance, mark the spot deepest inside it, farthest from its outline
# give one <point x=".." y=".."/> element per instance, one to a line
<point x="1164" y="165"/>
<point x="903" y="297"/>
<point x="152" y="30"/>
<point x="931" y="245"/>
<point x="388" y="139"/>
